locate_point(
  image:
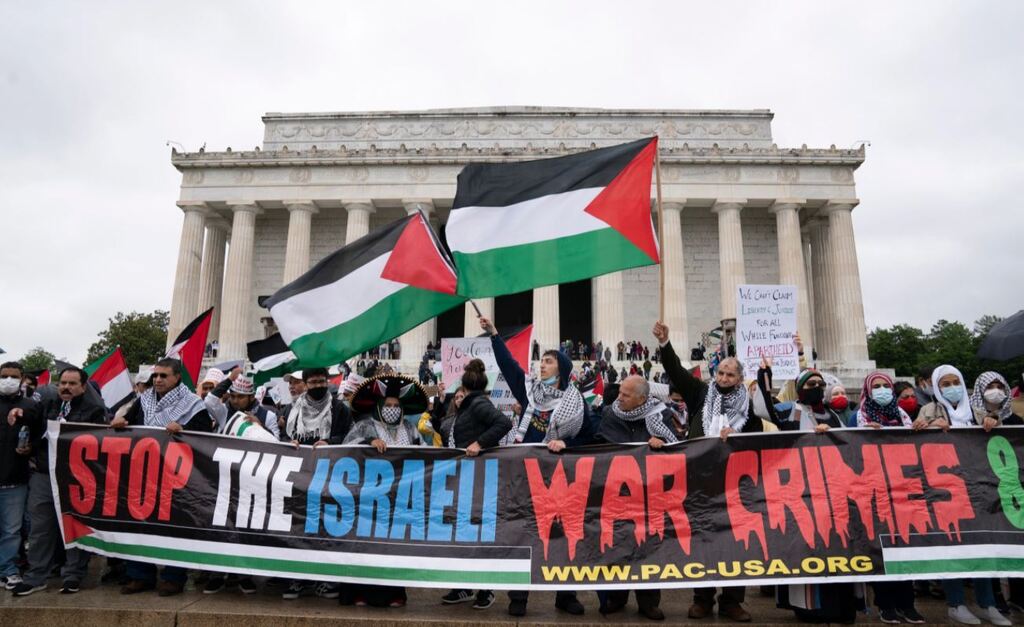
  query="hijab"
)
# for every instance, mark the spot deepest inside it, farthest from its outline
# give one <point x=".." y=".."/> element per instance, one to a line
<point x="984" y="380"/>
<point x="885" y="415"/>
<point x="963" y="415"/>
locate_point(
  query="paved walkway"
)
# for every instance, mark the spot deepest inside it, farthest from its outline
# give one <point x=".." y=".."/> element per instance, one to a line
<point x="105" y="606"/>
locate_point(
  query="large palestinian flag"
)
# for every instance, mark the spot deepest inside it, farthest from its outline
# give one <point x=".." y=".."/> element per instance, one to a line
<point x="110" y="372"/>
<point x="517" y="226"/>
<point x="368" y="292"/>
<point x="189" y="347"/>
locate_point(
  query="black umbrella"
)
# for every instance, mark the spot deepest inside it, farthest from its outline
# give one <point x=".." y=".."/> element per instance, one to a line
<point x="1006" y="339"/>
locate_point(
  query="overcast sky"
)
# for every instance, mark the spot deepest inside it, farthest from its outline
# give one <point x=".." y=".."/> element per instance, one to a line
<point x="91" y="91"/>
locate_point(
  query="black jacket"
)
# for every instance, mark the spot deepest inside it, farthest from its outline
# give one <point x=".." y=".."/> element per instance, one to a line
<point x="84" y="408"/>
<point x="479" y="421"/>
<point x="14" y="467"/>
<point x="341" y="424"/>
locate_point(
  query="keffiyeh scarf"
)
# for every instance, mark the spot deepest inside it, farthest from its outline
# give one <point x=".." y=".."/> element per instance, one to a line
<point x="985" y="379"/>
<point x="734" y="405"/>
<point x="652" y="413"/>
<point x="397" y="435"/>
<point x="566" y="407"/>
<point x="178" y="405"/>
<point x="886" y="415"/>
<point x="310" y="418"/>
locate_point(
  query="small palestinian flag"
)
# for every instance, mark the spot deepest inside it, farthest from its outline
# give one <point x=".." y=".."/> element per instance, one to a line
<point x="110" y="373"/>
<point x="517" y="226"/>
<point x="518" y="342"/>
<point x="189" y="347"/>
<point x="270" y="358"/>
<point x="593" y="389"/>
<point x="43" y="379"/>
<point x="369" y="292"/>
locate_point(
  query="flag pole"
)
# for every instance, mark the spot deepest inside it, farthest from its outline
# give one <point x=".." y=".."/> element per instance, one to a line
<point x="661" y="234"/>
<point x="478" y="314"/>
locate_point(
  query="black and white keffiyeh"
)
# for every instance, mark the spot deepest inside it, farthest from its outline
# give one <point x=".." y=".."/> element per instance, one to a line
<point x="310" y="417"/>
<point x="394" y="435"/>
<point x="566" y="407"/>
<point x="984" y="380"/>
<point x="652" y="413"/>
<point x="177" y="405"/>
<point x="734" y="405"/>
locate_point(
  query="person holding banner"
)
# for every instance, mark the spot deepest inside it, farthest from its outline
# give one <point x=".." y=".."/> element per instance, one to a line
<point x="952" y="408"/>
<point x="553" y="414"/>
<point x="879" y="407"/>
<point x="477" y="425"/>
<point x="728" y="412"/>
<point x="15" y="472"/>
<point x="816" y="603"/>
<point x="171" y="405"/>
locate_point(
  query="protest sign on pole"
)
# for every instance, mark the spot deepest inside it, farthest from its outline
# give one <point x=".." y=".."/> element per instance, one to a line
<point x="765" y="326"/>
<point x="456" y="352"/>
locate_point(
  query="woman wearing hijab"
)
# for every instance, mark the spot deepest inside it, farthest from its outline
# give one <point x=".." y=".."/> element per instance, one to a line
<point x="815" y="603"/>
<point x="879" y="407"/>
<point x="952" y="409"/>
<point x="991" y="395"/>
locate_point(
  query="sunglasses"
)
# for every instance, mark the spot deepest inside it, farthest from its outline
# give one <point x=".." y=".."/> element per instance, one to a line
<point x="814" y="384"/>
<point x="161" y="375"/>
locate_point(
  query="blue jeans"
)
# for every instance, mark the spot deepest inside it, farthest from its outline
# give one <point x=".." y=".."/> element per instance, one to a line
<point x="143" y="571"/>
<point x="12" y="515"/>
<point x="982" y="592"/>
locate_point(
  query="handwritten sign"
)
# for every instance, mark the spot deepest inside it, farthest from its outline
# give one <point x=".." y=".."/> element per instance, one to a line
<point x="765" y="326"/>
<point x="456" y="352"/>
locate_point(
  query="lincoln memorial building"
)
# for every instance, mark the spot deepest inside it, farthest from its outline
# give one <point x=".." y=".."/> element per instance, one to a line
<point x="738" y="209"/>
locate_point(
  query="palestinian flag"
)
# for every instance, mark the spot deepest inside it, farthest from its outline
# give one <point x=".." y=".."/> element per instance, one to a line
<point x="43" y="379"/>
<point x="189" y="347"/>
<point x="518" y="342"/>
<point x="271" y="358"/>
<point x="368" y="292"/>
<point x="110" y="373"/>
<point x="517" y="226"/>
<point x="593" y="389"/>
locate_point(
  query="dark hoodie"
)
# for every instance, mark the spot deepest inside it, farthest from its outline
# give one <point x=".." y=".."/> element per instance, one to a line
<point x="516" y="379"/>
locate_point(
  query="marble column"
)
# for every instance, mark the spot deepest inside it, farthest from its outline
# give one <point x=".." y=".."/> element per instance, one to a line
<point x="821" y="282"/>
<point x="608" y="317"/>
<point x="238" y="301"/>
<point x="675" y="279"/>
<point x="211" y="282"/>
<point x="185" y="298"/>
<point x="358" y="219"/>
<point x="791" y="260"/>
<point x="414" y="341"/>
<point x="296" y="254"/>
<point x="471" y="326"/>
<point x="545" y="317"/>
<point x="848" y="303"/>
<point x="811" y="341"/>
<point x="731" y="270"/>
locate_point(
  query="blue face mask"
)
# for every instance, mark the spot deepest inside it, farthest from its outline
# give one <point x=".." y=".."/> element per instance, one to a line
<point x="552" y="380"/>
<point x="953" y="394"/>
<point x="882" y="396"/>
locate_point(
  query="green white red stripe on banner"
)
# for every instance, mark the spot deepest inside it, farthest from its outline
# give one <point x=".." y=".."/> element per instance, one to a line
<point x="981" y="559"/>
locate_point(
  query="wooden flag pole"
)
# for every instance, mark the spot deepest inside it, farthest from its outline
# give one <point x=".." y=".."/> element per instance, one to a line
<point x="661" y="236"/>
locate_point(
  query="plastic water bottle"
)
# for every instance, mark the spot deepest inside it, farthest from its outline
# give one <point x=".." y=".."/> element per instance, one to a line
<point x="23" y="437"/>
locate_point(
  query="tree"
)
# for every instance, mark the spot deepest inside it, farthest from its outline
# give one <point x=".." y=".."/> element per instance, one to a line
<point x="985" y="323"/>
<point x="953" y="343"/>
<point x="142" y="338"/>
<point x="37" y="359"/>
<point x="900" y="347"/>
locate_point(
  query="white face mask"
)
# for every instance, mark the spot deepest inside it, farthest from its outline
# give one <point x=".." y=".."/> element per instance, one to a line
<point x="994" y="396"/>
<point x="10" y="386"/>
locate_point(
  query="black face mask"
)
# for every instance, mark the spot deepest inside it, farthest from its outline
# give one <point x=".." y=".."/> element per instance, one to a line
<point x="724" y="390"/>
<point x="812" y="396"/>
<point x="317" y="394"/>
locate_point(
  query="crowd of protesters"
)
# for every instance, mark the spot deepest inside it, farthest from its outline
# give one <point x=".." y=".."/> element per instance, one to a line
<point x="379" y="408"/>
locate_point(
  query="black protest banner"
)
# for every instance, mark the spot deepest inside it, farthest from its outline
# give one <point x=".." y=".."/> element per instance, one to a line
<point x="763" y="508"/>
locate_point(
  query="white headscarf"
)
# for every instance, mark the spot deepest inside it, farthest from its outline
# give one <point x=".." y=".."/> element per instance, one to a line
<point x="963" y="415"/>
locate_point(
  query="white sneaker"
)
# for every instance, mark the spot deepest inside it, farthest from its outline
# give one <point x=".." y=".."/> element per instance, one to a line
<point x="960" y="614"/>
<point x="992" y="615"/>
<point x="12" y="581"/>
